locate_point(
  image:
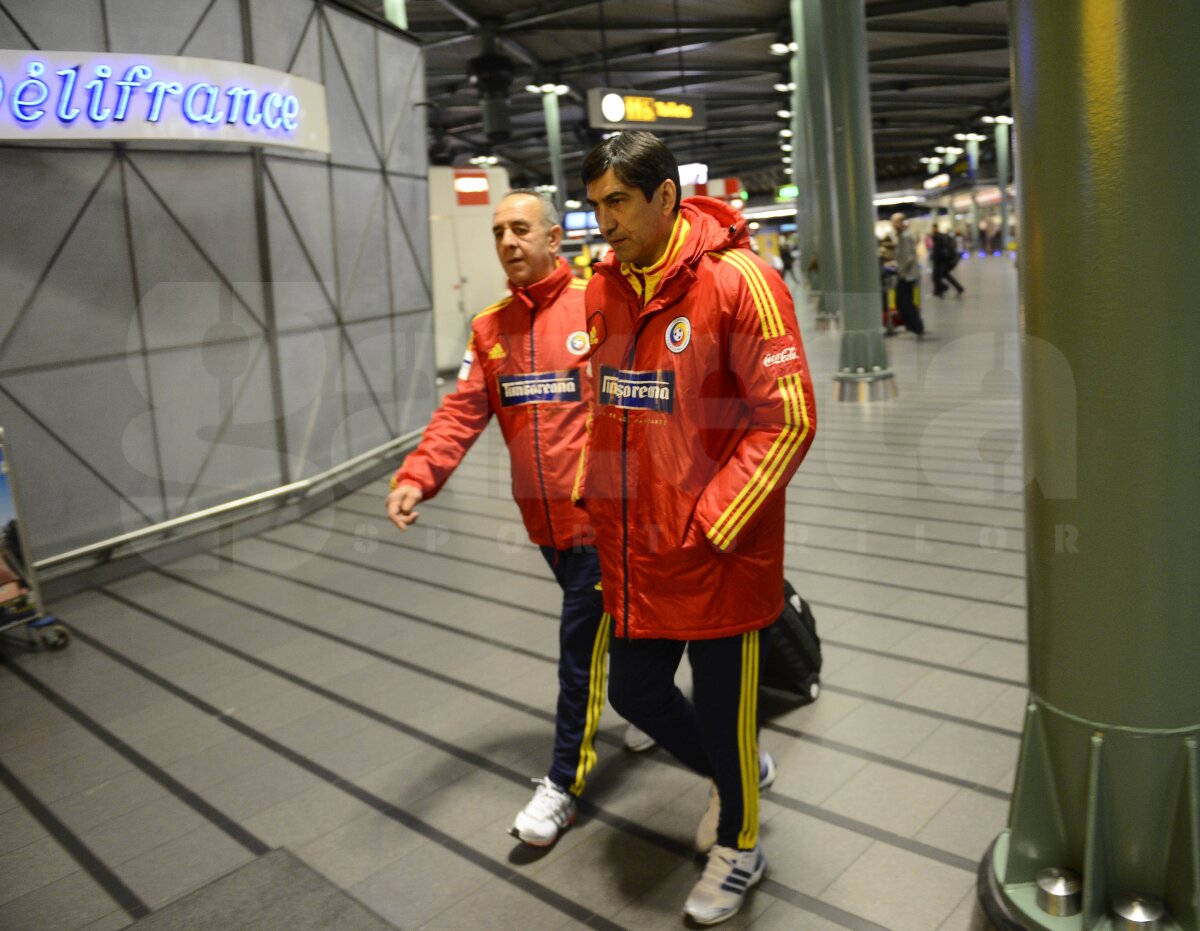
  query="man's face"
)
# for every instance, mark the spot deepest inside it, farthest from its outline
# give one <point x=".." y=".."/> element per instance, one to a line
<point x="898" y="222"/>
<point x="637" y="229"/>
<point x="526" y="247"/>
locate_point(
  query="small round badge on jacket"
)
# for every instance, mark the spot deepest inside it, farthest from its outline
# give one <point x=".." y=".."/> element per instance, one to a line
<point x="679" y="334"/>
<point x="577" y="343"/>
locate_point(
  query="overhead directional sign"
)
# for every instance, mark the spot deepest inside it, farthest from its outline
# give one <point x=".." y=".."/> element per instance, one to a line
<point x="625" y="109"/>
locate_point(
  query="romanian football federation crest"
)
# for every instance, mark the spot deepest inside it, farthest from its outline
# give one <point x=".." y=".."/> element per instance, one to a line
<point x="577" y="343"/>
<point x="679" y="334"/>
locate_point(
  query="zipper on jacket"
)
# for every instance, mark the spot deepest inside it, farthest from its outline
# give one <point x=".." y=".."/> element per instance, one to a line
<point x="537" y="437"/>
<point x="625" y="487"/>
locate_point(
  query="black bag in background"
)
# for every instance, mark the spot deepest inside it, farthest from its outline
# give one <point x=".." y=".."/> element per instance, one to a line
<point x="792" y="653"/>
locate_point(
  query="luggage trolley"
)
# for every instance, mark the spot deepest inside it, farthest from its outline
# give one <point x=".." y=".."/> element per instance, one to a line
<point x="20" y="597"/>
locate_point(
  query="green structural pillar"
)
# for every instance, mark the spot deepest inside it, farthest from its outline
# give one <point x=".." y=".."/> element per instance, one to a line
<point x="864" y="373"/>
<point x="554" y="138"/>
<point x="826" y="279"/>
<point x="1002" y="177"/>
<point x="1108" y="783"/>
<point x="802" y="147"/>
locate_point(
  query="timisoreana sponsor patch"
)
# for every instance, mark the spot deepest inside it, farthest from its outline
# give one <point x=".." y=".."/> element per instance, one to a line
<point x="644" y="391"/>
<point x="539" y="388"/>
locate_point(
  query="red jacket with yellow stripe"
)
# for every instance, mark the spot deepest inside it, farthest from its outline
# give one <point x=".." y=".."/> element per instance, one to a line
<point x="523" y="365"/>
<point x="703" y="410"/>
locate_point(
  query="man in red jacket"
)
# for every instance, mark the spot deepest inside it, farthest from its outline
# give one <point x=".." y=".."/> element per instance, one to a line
<point x="703" y="411"/>
<point x="523" y="365"/>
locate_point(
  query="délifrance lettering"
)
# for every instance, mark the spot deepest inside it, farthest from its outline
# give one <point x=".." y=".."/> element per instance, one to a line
<point x="135" y="95"/>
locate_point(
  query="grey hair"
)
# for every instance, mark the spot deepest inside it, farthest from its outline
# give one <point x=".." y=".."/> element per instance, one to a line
<point x="549" y="212"/>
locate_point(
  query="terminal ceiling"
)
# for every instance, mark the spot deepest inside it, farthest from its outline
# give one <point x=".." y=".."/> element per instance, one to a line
<point x="935" y="68"/>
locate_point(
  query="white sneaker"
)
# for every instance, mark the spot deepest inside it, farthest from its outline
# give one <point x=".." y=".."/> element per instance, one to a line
<point x="550" y="811"/>
<point x="706" y="831"/>
<point x="637" y="740"/>
<point x="722" y="888"/>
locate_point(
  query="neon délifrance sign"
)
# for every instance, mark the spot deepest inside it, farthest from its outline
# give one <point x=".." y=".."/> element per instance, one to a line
<point x="99" y="96"/>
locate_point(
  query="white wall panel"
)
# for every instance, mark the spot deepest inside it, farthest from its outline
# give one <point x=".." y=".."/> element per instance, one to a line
<point x="53" y="187"/>
<point x="82" y="307"/>
<point x="361" y="246"/>
<point x="135" y="390"/>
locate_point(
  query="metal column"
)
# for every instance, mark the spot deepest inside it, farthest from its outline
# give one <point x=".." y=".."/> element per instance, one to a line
<point x="1001" y="129"/>
<point x="802" y="146"/>
<point x="1108" y="784"/>
<point x="864" y="373"/>
<point x="826" y="280"/>
<point x="554" y="138"/>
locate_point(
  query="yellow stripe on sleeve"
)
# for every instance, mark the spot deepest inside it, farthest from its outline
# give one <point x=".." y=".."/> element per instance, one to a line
<point x="495" y="308"/>
<point x="764" y="300"/>
<point x="766" y="476"/>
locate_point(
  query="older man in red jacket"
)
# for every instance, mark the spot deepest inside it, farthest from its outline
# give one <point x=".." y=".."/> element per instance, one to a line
<point x="703" y="411"/>
<point x="523" y="365"/>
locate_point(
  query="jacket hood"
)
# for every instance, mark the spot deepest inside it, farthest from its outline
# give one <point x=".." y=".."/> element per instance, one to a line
<point x="715" y="224"/>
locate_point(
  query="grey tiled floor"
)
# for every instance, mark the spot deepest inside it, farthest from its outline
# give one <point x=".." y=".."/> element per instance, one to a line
<point x="377" y="703"/>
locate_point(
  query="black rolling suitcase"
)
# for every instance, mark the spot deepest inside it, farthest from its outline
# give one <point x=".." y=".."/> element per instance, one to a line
<point x="792" y="653"/>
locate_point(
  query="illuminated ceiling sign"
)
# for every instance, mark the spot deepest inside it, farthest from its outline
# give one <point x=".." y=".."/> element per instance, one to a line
<point x="614" y="109"/>
<point x="787" y="192"/>
<point x="471" y="187"/>
<point x="942" y="180"/>
<point x="86" y="96"/>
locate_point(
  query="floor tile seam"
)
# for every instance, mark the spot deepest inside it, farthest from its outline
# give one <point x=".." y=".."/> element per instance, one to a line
<point x="447" y="679"/>
<point x="451" y="492"/>
<point x="928" y="664"/>
<point x="484" y="693"/>
<point x="358" y="564"/>
<point x="526" y="545"/>
<point x="499" y="643"/>
<point x="141" y="763"/>
<point x="869" y="584"/>
<point x="408" y="578"/>
<point x="817" y="906"/>
<point x="73" y="844"/>
<point x="359" y="794"/>
<point x="332" y="592"/>
<point x="452" y="750"/>
<point x="441" y="506"/>
<point x="363" y="796"/>
<point x="919" y="622"/>
<point x="923" y="711"/>
<point x="891" y="838"/>
<point x="867" y="460"/>
<point x="869" y="756"/>
<point x="413" y="546"/>
<point x="805" y="480"/>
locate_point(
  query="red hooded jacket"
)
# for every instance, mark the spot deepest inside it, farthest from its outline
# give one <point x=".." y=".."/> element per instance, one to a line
<point x="703" y="411"/>
<point x="522" y="364"/>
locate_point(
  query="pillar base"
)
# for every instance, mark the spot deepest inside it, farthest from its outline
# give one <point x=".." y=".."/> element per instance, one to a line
<point x="996" y="905"/>
<point x="864" y="388"/>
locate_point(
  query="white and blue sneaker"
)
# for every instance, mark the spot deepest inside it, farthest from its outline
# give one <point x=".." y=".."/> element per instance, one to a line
<point x="550" y="811"/>
<point x="722" y="888"/>
<point x="706" y="831"/>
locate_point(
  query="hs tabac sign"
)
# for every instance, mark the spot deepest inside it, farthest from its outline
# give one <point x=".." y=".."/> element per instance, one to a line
<point x="614" y="109"/>
<point x="89" y="96"/>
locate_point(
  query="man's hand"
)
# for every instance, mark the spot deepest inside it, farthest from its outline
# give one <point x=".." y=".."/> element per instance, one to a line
<point x="400" y="504"/>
